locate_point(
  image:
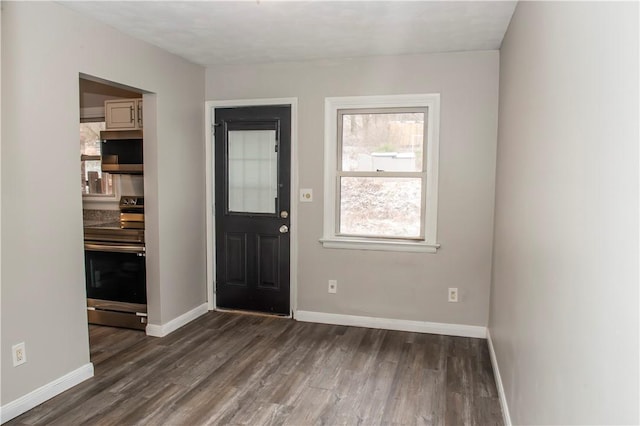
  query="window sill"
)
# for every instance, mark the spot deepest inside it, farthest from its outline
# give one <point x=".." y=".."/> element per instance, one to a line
<point x="100" y="203"/>
<point x="380" y="245"/>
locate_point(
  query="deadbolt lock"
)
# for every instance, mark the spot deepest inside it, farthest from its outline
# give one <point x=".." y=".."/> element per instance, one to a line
<point x="284" y="214"/>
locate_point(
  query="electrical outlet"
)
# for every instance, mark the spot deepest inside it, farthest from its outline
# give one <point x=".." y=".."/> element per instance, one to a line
<point x="453" y="294"/>
<point x="19" y="354"/>
<point x="333" y="286"/>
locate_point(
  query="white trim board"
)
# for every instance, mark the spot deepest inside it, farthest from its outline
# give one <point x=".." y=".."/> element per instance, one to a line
<point x="496" y="372"/>
<point x="394" y="324"/>
<point x="34" y="398"/>
<point x="210" y="107"/>
<point x="164" y="329"/>
<point x="210" y="211"/>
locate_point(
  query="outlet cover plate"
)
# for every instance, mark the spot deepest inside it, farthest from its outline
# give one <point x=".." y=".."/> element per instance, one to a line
<point x="19" y="354"/>
<point x="453" y="294"/>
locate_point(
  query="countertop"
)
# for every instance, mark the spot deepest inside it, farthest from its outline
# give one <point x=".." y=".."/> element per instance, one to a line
<point x="101" y="224"/>
<point x="92" y="223"/>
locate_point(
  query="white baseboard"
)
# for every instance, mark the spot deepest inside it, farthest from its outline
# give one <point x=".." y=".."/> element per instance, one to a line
<point x="43" y="393"/>
<point x="164" y="329"/>
<point x="496" y="373"/>
<point x="393" y="324"/>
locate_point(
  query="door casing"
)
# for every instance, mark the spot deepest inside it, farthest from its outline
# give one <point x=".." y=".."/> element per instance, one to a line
<point x="209" y="109"/>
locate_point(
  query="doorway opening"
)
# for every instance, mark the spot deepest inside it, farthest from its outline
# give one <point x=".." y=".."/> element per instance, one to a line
<point x="112" y="184"/>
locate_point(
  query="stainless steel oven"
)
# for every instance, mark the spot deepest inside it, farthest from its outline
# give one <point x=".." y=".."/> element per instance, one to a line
<point x="115" y="269"/>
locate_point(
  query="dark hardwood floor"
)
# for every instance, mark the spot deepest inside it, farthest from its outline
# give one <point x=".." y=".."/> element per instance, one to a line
<point x="227" y="368"/>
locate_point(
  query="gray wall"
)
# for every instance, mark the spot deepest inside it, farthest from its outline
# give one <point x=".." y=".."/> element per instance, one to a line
<point x="44" y="48"/>
<point x="411" y="286"/>
<point x="564" y="299"/>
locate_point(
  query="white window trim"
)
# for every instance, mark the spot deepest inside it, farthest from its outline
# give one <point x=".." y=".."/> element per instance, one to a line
<point x="332" y="105"/>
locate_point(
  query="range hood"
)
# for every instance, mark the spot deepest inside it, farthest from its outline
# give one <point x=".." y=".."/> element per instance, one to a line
<point x="122" y="151"/>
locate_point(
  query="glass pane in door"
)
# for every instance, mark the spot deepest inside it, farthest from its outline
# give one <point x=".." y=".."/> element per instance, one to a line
<point x="253" y="171"/>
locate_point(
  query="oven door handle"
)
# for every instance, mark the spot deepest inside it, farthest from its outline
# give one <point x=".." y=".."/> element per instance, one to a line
<point x="120" y="248"/>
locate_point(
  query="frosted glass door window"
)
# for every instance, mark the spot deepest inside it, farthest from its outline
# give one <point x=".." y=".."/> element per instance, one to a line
<point x="253" y="171"/>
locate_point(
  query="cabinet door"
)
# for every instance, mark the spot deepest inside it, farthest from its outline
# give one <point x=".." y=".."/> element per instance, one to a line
<point x="120" y="114"/>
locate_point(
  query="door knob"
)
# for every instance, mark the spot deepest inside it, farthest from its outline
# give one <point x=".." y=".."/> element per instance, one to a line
<point x="284" y="229"/>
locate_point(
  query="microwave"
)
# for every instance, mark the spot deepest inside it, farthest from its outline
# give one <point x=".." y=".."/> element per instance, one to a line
<point x="121" y="151"/>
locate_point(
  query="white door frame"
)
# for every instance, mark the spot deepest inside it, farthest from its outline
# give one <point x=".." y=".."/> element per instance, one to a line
<point x="209" y="110"/>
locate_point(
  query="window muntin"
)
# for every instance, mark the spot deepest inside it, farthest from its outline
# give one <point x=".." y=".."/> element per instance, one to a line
<point x="93" y="181"/>
<point x="351" y="165"/>
<point x="380" y="176"/>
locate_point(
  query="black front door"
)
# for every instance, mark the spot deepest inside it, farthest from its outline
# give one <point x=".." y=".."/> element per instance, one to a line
<point x="252" y="184"/>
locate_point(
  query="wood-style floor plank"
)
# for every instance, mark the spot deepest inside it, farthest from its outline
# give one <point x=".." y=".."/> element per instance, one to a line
<point x="232" y="369"/>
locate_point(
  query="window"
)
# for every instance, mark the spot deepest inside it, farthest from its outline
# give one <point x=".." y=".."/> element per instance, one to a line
<point x="93" y="181"/>
<point x="381" y="170"/>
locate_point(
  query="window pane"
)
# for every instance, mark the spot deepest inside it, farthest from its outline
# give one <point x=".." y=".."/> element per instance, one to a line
<point x="90" y="138"/>
<point x="376" y="206"/>
<point x="93" y="180"/>
<point x="253" y="171"/>
<point x="382" y="141"/>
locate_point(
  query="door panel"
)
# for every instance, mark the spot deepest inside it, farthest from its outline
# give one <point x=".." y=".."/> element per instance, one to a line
<point x="236" y="258"/>
<point x="268" y="257"/>
<point x="253" y="176"/>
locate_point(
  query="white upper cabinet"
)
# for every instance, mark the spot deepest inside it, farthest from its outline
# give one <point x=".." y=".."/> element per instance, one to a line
<point x="123" y="114"/>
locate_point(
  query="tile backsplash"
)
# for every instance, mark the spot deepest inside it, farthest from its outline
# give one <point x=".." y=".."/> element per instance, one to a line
<point x="101" y="215"/>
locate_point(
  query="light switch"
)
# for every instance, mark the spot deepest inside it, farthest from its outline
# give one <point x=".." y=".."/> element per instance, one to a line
<point x="306" y="195"/>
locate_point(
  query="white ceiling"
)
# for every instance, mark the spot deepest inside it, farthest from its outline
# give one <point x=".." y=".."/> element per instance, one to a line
<point x="244" y="32"/>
